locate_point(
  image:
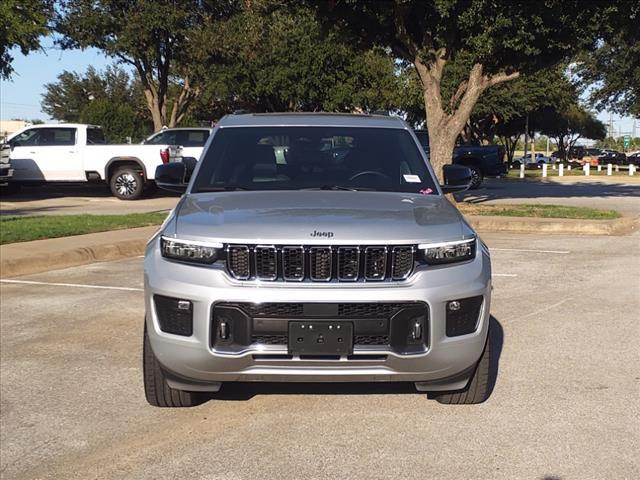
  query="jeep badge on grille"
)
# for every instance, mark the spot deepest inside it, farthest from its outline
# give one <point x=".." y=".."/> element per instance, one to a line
<point x="317" y="234"/>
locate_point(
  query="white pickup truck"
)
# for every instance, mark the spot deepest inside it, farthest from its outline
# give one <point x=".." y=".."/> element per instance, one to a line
<point x="71" y="152"/>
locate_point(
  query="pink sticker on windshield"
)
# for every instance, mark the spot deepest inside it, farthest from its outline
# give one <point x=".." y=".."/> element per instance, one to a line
<point x="426" y="191"/>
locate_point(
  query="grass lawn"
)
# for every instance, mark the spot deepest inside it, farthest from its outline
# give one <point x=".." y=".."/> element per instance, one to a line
<point x="538" y="211"/>
<point x="24" y="229"/>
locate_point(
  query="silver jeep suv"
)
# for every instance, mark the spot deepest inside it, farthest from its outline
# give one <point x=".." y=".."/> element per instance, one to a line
<point x="315" y="248"/>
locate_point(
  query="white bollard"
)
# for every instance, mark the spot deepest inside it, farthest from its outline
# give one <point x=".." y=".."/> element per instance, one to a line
<point x="599" y="167"/>
<point x="544" y="169"/>
<point x="522" y="170"/>
<point x="632" y="169"/>
<point x="609" y="168"/>
<point x="587" y="169"/>
<point x="561" y="170"/>
<point x="617" y="168"/>
<point x="568" y="167"/>
<point x="554" y="166"/>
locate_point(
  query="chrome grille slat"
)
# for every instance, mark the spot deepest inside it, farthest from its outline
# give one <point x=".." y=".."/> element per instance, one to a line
<point x="320" y="264"/>
<point x="266" y="262"/>
<point x="348" y="263"/>
<point x="298" y="263"/>
<point x="293" y="263"/>
<point x="375" y="263"/>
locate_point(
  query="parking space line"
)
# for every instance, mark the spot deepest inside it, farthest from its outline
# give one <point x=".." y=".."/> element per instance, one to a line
<point x="536" y="312"/>
<point x="558" y="252"/>
<point x="504" y="274"/>
<point x="74" y="285"/>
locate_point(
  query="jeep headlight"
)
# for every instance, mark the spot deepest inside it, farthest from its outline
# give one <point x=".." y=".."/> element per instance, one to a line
<point x="189" y="251"/>
<point x="448" y="252"/>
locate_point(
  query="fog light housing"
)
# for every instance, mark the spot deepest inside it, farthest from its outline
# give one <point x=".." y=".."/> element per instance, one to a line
<point x="175" y="315"/>
<point x="463" y="315"/>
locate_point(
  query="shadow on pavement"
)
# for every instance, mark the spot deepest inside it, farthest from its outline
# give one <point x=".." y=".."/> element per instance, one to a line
<point x="45" y="192"/>
<point x="514" y="189"/>
<point x="235" y="391"/>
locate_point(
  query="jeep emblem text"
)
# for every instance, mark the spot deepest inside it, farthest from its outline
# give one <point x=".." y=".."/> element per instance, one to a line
<point x="317" y="234"/>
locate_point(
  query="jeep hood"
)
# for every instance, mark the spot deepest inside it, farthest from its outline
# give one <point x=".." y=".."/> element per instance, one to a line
<point x="317" y="217"/>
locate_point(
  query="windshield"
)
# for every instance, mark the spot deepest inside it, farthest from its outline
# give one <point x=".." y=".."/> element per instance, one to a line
<point x="332" y="158"/>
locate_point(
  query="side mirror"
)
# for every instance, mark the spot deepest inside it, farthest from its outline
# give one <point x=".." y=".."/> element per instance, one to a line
<point x="456" y="178"/>
<point x="171" y="176"/>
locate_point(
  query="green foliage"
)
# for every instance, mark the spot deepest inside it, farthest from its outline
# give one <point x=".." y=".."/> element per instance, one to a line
<point x="274" y="57"/>
<point x="161" y="39"/>
<point x="612" y="71"/>
<point x="569" y="125"/>
<point x="23" y="23"/>
<point x="66" y="98"/>
<point x="118" y="120"/>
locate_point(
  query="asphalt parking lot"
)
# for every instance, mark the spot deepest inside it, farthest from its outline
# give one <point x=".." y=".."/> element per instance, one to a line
<point x="565" y="402"/>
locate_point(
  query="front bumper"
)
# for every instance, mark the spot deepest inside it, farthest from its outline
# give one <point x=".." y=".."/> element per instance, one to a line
<point x="445" y="363"/>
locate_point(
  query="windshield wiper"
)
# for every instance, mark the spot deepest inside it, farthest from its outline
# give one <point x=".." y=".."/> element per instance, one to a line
<point x="226" y="188"/>
<point x="337" y="187"/>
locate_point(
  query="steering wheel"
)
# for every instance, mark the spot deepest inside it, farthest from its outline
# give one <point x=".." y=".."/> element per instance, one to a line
<point x="370" y="172"/>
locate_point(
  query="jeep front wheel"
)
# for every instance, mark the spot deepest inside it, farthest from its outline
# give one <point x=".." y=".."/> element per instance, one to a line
<point x="127" y="184"/>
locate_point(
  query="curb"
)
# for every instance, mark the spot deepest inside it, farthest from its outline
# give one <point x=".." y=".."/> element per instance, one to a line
<point x="567" y="226"/>
<point x="55" y="257"/>
<point x="71" y="258"/>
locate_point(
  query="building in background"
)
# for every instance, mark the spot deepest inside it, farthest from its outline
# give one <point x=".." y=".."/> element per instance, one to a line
<point x="8" y="127"/>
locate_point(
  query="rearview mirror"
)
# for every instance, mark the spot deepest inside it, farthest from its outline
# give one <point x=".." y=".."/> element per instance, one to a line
<point x="171" y="176"/>
<point x="456" y="178"/>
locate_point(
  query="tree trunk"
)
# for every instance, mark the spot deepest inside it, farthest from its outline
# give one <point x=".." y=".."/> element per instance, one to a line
<point x="444" y="127"/>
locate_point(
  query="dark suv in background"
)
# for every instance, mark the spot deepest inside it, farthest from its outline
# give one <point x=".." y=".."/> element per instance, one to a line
<point x="483" y="160"/>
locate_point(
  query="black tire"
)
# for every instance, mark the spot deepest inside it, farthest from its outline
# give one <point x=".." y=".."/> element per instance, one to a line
<point x="476" y="177"/>
<point x="156" y="389"/>
<point x="127" y="183"/>
<point x="477" y="391"/>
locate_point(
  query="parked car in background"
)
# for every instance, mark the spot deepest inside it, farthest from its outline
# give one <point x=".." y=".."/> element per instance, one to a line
<point x="6" y="172"/>
<point x="73" y="152"/>
<point x="532" y="162"/>
<point x="186" y="145"/>
<point x="613" y="157"/>
<point x="483" y="160"/>
<point x="633" y="159"/>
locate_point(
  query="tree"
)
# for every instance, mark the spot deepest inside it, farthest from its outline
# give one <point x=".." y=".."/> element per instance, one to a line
<point x="161" y="39"/>
<point x="275" y="57"/>
<point x="569" y="125"/>
<point x="23" y="23"/>
<point x="65" y="99"/>
<point x="498" y="40"/>
<point x="612" y="71"/>
<point x="118" y="120"/>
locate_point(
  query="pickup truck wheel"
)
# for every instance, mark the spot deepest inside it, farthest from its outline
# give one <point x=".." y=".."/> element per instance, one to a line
<point x="156" y="389"/>
<point x="478" y="389"/>
<point x="127" y="184"/>
<point x="476" y="177"/>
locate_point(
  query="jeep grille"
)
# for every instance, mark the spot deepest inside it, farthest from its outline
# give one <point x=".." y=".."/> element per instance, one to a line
<point x="297" y="263"/>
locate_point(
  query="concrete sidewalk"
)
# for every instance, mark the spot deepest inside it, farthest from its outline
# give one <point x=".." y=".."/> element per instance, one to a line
<point x="42" y="255"/>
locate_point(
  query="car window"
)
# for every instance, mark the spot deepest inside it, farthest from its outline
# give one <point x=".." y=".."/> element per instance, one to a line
<point x="192" y="138"/>
<point x="57" y="136"/>
<point x="48" y="137"/>
<point x="24" y="139"/>
<point x="163" y="138"/>
<point x="95" y="136"/>
<point x="290" y="158"/>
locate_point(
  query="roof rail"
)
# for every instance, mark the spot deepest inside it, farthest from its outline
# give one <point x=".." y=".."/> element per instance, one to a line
<point x="241" y="112"/>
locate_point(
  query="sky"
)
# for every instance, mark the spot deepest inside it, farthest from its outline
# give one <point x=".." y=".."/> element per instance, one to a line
<point x="20" y="97"/>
